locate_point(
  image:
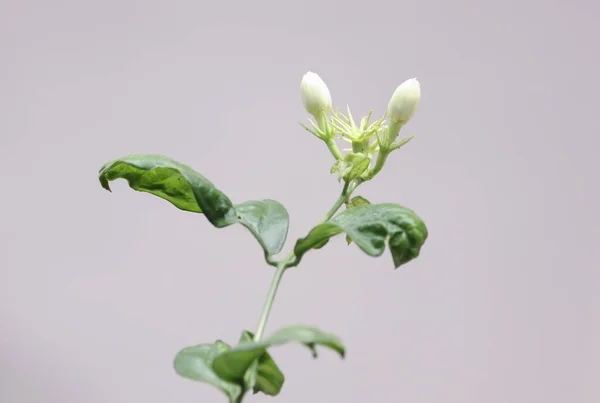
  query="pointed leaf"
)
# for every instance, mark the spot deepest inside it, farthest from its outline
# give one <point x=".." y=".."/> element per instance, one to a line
<point x="195" y="363"/>
<point x="187" y="190"/>
<point x="337" y="165"/>
<point x="269" y="379"/>
<point x="161" y="176"/>
<point x="357" y="201"/>
<point x="233" y="364"/>
<point x="267" y="220"/>
<point x="370" y="227"/>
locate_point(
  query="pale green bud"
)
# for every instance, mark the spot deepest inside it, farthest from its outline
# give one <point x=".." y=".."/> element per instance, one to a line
<point x="404" y="102"/>
<point x="315" y="95"/>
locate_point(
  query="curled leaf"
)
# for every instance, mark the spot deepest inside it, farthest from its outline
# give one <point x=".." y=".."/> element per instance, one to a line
<point x="371" y="227"/>
<point x="173" y="181"/>
<point x="356" y="201"/>
<point x="187" y="190"/>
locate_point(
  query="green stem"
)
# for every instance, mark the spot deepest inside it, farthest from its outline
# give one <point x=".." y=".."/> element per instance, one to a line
<point x="327" y="135"/>
<point x="270" y="298"/>
<point x="381" y="158"/>
<point x="338" y="203"/>
<point x="290" y="260"/>
<point x="333" y="148"/>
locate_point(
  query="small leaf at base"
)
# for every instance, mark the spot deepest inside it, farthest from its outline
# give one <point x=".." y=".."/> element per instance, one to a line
<point x="357" y="201"/>
<point x="233" y="364"/>
<point x="195" y="363"/>
<point x="269" y="378"/>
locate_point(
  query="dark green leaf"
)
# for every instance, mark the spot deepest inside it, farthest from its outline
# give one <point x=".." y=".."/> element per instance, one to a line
<point x="161" y="176"/>
<point x="356" y="201"/>
<point x="269" y="379"/>
<point x="233" y="364"/>
<point x="370" y="227"/>
<point x="186" y="189"/>
<point x="268" y="221"/>
<point x="195" y="363"/>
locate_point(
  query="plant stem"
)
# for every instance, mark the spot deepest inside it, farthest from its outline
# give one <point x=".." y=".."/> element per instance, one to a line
<point x="333" y="148"/>
<point x="289" y="260"/>
<point x="327" y="135"/>
<point x="270" y="298"/>
<point x="381" y="158"/>
<point x="338" y="203"/>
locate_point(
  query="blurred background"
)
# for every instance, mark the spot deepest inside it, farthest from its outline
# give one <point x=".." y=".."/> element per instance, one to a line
<point x="98" y="291"/>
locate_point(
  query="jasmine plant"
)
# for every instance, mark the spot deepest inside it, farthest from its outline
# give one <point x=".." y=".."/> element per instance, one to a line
<point x="246" y="366"/>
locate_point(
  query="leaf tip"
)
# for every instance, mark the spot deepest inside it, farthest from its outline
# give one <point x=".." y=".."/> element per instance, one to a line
<point x="313" y="349"/>
<point x="341" y="350"/>
<point x="104" y="183"/>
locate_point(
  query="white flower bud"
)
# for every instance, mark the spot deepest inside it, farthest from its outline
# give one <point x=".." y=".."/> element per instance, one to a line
<point x="404" y="101"/>
<point x="315" y="94"/>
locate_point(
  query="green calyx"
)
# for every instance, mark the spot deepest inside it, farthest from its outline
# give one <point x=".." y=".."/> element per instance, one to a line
<point x="367" y="139"/>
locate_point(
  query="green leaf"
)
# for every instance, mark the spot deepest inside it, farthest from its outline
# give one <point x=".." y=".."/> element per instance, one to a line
<point x="358" y="163"/>
<point x="187" y="190"/>
<point x="195" y="363"/>
<point x="161" y="176"/>
<point x="267" y="220"/>
<point x="356" y="201"/>
<point x="268" y="379"/>
<point x="352" y="166"/>
<point x="370" y="227"/>
<point x="233" y="364"/>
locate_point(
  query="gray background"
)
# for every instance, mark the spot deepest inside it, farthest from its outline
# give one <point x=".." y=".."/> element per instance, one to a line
<point x="98" y="291"/>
